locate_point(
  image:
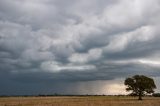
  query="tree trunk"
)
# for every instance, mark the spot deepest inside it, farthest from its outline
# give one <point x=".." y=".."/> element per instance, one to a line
<point x="140" y="96"/>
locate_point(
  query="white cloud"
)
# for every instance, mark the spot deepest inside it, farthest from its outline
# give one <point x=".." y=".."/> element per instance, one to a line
<point x="120" y="42"/>
<point x="92" y="55"/>
<point x="54" y="67"/>
<point x="34" y="55"/>
<point x="152" y="63"/>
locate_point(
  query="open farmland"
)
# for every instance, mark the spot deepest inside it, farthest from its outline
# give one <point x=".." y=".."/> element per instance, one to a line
<point x="79" y="101"/>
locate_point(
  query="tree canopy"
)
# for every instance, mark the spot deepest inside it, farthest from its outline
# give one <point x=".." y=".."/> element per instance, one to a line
<point x="140" y="85"/>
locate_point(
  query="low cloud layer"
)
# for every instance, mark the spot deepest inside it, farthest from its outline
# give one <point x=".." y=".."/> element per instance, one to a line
<point x="49" y="46"/>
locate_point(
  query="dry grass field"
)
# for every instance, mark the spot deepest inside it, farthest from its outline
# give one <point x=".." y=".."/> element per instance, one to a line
<point x="78" y="101"/>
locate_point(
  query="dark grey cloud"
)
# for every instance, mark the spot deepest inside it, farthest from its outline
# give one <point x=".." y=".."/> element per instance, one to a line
<point x="49" y="46"/>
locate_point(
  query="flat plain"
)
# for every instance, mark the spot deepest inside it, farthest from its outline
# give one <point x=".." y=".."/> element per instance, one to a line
<point x="79" y="101"/>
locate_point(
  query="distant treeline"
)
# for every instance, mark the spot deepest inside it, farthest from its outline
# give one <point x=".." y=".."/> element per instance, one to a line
<point x="56" y="94"/>
<point x="156" y="95"/>
<point x="52" y="95"/>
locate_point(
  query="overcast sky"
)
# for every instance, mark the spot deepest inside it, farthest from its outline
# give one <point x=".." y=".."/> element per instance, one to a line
<point x="77" y="46"/>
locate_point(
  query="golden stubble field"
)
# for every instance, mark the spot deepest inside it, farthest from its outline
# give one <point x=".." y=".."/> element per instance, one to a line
<point x="79" y="101"/>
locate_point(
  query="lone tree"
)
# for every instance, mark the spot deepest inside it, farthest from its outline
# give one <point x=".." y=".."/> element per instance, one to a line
<point x="140" y="85"/>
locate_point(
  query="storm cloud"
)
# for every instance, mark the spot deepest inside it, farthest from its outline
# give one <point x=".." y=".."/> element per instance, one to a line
<point x="49" y="46"/>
